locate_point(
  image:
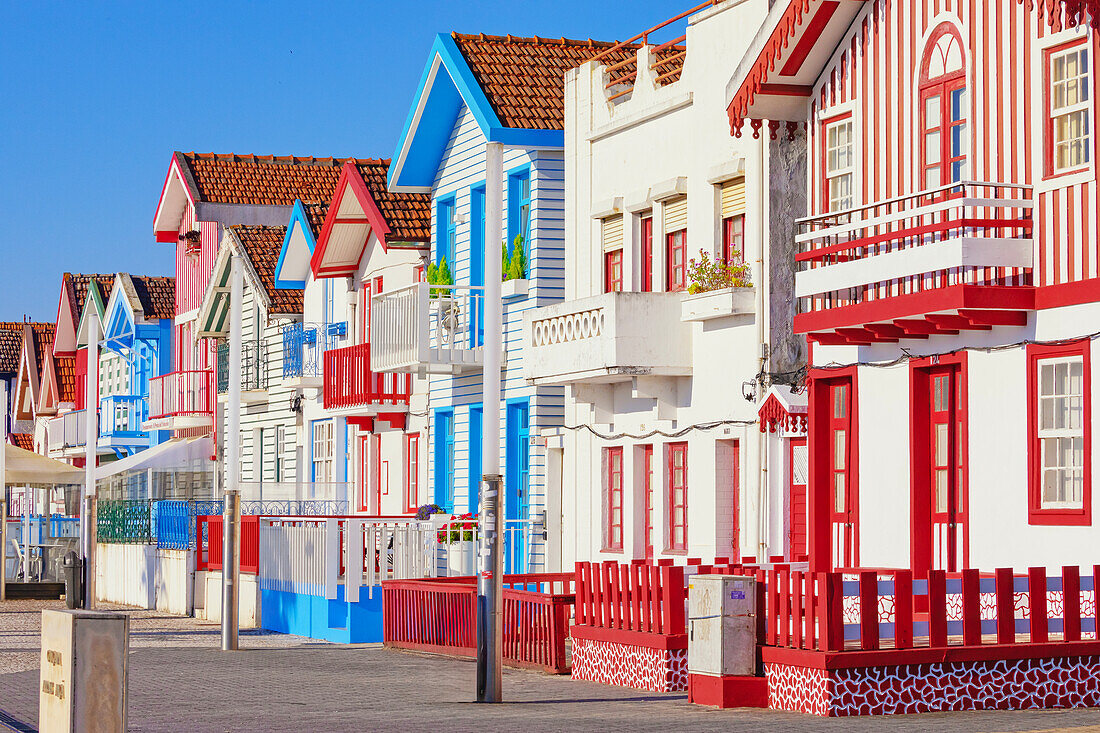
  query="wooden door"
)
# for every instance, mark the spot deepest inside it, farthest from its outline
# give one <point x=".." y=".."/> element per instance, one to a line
<point x="945" y="455"/>
<point x="798" y="473"/>
<point x="844" y="512"/>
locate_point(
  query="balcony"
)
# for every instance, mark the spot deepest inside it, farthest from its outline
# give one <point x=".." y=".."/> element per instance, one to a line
<point x="254" y="371"/>
<point x="120" y="421"/>
<point x="67" y="434"/>
<point x="181" y="400"/>
<point x="350" y="383"/>
<point x="607" y="338"/>
<point x="428" y="329"/>
<point x="304" y="346"/>
<point x="935" y="262"/>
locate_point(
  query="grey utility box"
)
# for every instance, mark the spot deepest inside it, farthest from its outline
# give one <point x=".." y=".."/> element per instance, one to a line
<point x="722" y="625"/>
<point x="83" y="674"/>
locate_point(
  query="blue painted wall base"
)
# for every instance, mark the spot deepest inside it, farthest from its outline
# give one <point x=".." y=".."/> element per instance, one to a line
<point x="318" y="618"/>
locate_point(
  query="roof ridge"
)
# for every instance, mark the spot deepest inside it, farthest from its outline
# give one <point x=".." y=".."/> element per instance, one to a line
<point x="540" y="40"/>
<point x="279" y="159"/>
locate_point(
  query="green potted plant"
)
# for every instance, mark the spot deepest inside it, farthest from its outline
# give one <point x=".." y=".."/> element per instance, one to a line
<point x="717" y="288"/>
<point x="514" y="270"/>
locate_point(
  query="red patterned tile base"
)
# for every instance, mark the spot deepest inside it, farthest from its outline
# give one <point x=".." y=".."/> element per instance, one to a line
<point x="921" y="688"/>
<point x="656" y="670"/>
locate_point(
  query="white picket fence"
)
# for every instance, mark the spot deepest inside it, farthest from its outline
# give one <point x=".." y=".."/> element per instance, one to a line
<point x="314" y="556"/>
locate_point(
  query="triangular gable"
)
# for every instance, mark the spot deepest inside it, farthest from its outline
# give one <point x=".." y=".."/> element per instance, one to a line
<point x="213" y="320"/>
<point x="93" y="303"/>
<point x="445" y="86"/>
<point x="353" y="216"/>
<point x="49" y="393"/>
<point x="121" y="316"/>
<point x="297" y="252"/>
<point x="783" y="410"/>
<point x="176" y="195"/>
<point x="776" y="78"/>
<point x="26" y="389"/>
<point x="64" y="341"/>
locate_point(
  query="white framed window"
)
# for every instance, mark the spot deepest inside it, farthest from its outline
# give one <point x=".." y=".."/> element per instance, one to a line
<point x="839" y="164"/>
<point x="1061" y="432"/>
<point x="322" y="453"/>
<point x="1070" y="126"/>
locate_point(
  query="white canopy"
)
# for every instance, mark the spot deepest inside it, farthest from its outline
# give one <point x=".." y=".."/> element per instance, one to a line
<point x="22" y="468"/>
<point x="176" y="454"/>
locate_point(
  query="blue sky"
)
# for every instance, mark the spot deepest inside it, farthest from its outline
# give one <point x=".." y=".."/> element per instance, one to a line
<point x="94" y="97"/>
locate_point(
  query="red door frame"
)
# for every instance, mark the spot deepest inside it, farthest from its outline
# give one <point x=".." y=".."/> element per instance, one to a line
<point x="819" y="502"/>
<point x="791" y="518"/>
<point x="647" y="494"/>
<point x="364" y="473"/>
<point x="922" y="519"/>
<point x="647" y="255"/>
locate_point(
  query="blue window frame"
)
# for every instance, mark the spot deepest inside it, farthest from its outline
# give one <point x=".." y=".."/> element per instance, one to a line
<point x="519" y="208"/>
<point x="476" y="413"/>
<point x="445" y="231"/>
<point x="477" y="262"/>
<point x="444" y="478"/>
<point x="517" y="476"/>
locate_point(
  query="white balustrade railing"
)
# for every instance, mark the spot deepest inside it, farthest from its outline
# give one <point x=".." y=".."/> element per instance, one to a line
<point x="67" y="431"/>
<point x="315" y="555"/>
<point x="423" y="326"/>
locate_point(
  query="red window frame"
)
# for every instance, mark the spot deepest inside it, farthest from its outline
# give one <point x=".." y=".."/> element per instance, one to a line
<point x="676" y="277"/>
<point x="1061" y="516"/>
<point x="364" y="472"/>
<point x="677" y="497"/>
<point x="613" y="490"/>
<point x="733" y="239"/>
<point x="613" y="271"/>
<point x="825" y="124"/>
<point x="647" y="498"/>
<point x="412" y="471"/>
<point x="1048" y="119"/>
<point x="647" y="254"/>
<point x="941" y="86"/>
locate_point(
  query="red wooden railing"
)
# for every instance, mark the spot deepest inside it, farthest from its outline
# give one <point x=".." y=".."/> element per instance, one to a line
<point x="208" y="543"/>
<point x="888" y="609"/>
<point x="635" y="597"/>
<point x="349" y="381"/>
<point x="439" y="615"/>
<point x="182" y="393"/>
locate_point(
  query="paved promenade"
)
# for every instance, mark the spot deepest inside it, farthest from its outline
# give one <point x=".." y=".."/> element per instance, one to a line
<point x="181" y="681"/>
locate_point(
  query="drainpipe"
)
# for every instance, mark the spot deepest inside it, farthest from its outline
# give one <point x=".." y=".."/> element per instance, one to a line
<point x="762" y="344"/>
<point x="231" y="513"/>
<point x="91" y="439"/>
<point x="490" y="589"/>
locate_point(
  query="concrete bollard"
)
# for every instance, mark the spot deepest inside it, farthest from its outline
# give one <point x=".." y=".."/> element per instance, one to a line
<point x="83" y="672"/>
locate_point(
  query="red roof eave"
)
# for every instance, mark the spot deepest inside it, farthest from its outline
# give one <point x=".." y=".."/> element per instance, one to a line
<point x="349" y="179"/>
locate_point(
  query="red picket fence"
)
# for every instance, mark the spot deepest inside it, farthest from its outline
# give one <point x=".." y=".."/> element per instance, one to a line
<point x="888" y="609"/>
<point x="439" y="615"/>
<point x="208" y="543"/>
<point x="636" y="597"/>
<point x="349" y="381"/>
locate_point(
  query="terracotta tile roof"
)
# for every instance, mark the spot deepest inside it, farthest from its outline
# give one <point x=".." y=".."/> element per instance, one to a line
<point x="23" y="440"/>
<point x="523" y="78"/>
<point x="316" y="214"/>
<point x="66" y="378"/>
<point x="266" y="180"/>
<point x="157" y="296"/>
<point x="77" y="286"/>
<point x="407" y="214"/>
<point x="11" y="346"/>
<point x="262" y="246"/>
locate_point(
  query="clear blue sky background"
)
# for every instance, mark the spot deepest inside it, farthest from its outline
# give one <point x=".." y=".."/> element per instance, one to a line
<point x="94" y="97"/>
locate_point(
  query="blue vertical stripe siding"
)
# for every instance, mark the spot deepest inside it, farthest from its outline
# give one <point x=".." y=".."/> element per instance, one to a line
<point x="461" y="176"/>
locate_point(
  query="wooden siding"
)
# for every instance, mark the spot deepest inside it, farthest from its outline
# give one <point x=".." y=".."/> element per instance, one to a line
<point x="873" y="75"/>
<point x="462" y="167"/>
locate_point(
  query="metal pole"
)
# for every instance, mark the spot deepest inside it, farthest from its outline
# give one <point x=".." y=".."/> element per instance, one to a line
<point x="490" y="583"/>
<point x="231" y="515"/>
<point x="91" y="439"/>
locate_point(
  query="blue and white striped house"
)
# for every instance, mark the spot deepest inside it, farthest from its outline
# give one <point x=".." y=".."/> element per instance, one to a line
<point x="476" y="90"/>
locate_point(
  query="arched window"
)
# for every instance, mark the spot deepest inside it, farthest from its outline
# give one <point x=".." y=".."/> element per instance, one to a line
<point x="944" y="109"/>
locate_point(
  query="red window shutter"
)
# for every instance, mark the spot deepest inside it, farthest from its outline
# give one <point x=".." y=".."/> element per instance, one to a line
<point x="677" y="496"/>
<point x="614" y="482"/>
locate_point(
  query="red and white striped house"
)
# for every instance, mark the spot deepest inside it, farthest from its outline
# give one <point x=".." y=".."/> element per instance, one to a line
<point x="947" y="284"/>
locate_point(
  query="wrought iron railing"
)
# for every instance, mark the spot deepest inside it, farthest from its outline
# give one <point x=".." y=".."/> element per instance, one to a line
<point x="298" y="508"/>
<point x="304" y="347"/>
<point x="124" y="521"/>
<point x="254" y="366"/>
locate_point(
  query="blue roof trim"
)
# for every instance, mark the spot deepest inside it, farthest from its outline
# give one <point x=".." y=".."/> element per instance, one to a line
<point x="439" y="98"/>
<point x="297" y="214"/>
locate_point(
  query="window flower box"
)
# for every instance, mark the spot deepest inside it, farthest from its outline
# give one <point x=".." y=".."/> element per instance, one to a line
<point x="718" y="304"/>
<point x="516" y="288"/>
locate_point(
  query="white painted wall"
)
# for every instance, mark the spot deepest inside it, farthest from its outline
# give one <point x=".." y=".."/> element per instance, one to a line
<point x="631" y="151"/>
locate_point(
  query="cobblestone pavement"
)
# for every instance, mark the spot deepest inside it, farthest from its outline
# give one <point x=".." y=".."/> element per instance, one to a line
<point x="181" y="681"/>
